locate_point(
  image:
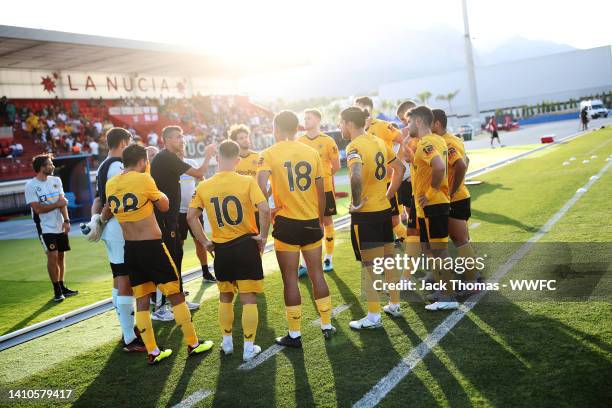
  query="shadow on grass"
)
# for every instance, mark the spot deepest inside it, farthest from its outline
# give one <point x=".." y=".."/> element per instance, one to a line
<point x="23" y="323"/>
<point x="515" y="357"/>
<point x="241" y="388"/>
<point x="492" y="217"/>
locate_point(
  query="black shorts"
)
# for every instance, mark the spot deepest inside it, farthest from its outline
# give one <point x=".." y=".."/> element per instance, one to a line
<point x="370" y="230"/>
<point x="434" y="227"/>
<point x="394" y="203"/>
<point x="55" y="242"/>
<point x="404" y="192"/>
<point x="330" y="204"/>
<point x="119" y="270"/>
<point x="149" y="262"/>
<point x="172" y="238"/>
<point x="494" y="135"/>
<point x="238" y="259"/>
<point x="412" y="217"/>
<point x="183" y="226"/>
<point x="297" y="232"/>
<point x="461" y="210"/>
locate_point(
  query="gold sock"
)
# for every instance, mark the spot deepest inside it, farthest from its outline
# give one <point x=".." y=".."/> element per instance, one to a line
<point x="467" y="251"/>
<point x="400" y="232"/>
<point x="182" y="317"/>
<point x="374" y="307"/>
<point x="330" y="235"/>
<point x="324" y="306"/>
<point x="145" y="328"/>
<point x="250" y="318"/>
<point x="226" y="318"/>
<point x="294" y="317"/>
<point x="413" y="250"/>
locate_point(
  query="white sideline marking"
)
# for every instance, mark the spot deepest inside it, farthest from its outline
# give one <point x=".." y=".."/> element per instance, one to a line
<point x="416" y="355"/>
<point x="193" y="399"/>
<point x="275" y="348"/>
<point x="475" y="225"/>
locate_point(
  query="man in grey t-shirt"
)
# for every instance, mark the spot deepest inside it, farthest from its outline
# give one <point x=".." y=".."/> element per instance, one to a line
<point x="45" y="196"/>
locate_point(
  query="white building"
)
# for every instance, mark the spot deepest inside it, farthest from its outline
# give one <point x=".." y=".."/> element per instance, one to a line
<point x="553" y="78"/>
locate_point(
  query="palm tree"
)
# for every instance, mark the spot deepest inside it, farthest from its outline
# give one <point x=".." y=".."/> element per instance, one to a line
<point x="448" y="98"/>
<point x="424" y="96"/>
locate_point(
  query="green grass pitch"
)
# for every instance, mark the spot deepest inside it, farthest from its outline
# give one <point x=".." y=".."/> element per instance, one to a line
<point x="501" y="354"/>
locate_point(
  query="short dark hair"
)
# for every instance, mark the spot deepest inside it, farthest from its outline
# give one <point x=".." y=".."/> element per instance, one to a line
<point x="229" y="149"/>
<point x="314" y="112"/>
<point x="440" y="116"/>
<point x="169" y="129"/>
<point x="40" y="160"/>
<point x="286" y="122"/>
<point x="422" y="112"/>
<point x="133" y="154"/>
<point x="355" y="115"/>
<point x="234" y="130"/>
<point x="115" y="135"/>
<point x="365" y="100"/>
<point x="404" y="107"/>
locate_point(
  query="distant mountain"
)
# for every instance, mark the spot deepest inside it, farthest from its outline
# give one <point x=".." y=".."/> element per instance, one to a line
<point x="361" y="65"/>
<point x="520" y="48"/>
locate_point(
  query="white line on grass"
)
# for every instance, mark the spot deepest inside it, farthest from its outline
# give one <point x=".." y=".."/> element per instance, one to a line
<point x="416" y="355"/>
<point x="275" y="348"/>
<point x="193" y="399"/>
<point x="474" y="225"/>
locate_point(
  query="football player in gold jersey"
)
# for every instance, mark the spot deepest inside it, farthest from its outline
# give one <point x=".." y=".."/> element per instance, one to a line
<point x="297" y="186"/>
<point x="131" y="197"/>
<point x="247" y="165"/>
<point x="368" y="158"/>
<point x="432" y="200"/>
<point x="412" y="244"/>
<point x="330" y="159"/>
<point x="460" y="208"/>
<point x="391" y="135"/>
<point x="229" y="200"/>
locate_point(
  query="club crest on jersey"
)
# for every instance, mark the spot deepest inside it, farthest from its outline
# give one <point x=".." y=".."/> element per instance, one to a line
<point x="451" y="151"/>
<point x="261" y="161"/>
<point x="428" y="149"/>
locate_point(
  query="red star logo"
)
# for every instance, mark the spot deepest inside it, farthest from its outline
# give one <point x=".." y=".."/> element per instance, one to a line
<point x="48" y="84"/>
<point x="181" y="87"/>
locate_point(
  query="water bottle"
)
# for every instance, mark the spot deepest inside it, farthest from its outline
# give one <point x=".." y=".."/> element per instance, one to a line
<point x="84" y="228"/>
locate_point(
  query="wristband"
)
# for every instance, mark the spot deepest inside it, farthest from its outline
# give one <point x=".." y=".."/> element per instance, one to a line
<point x="67" y="221"/>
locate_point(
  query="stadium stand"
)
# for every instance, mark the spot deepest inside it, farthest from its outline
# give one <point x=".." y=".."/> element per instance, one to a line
<point x="65" y="127"/>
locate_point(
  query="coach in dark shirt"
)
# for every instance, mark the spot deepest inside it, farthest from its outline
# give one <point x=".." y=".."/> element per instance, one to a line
<point x="166" y="170"/>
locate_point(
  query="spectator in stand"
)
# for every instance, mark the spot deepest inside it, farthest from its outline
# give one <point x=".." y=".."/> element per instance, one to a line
<point x="74" y="108"/>
<point x="11" y="113"/>
<point x="32" y="124"/>
<point x="98" y="127"/>
<point x="62" y="116"/>
<point x="77" y="148"/>
<point x="3" y="104"/>
<point x="16" y="149"/>
<point x="94" y="148"/>
<point x="152" y="138"/>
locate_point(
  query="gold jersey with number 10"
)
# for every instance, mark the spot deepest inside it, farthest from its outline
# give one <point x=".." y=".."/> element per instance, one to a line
<point x="229" y="200"/>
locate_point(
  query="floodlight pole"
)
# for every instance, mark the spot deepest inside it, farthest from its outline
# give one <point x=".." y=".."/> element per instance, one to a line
<point x="469" y="60"/>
